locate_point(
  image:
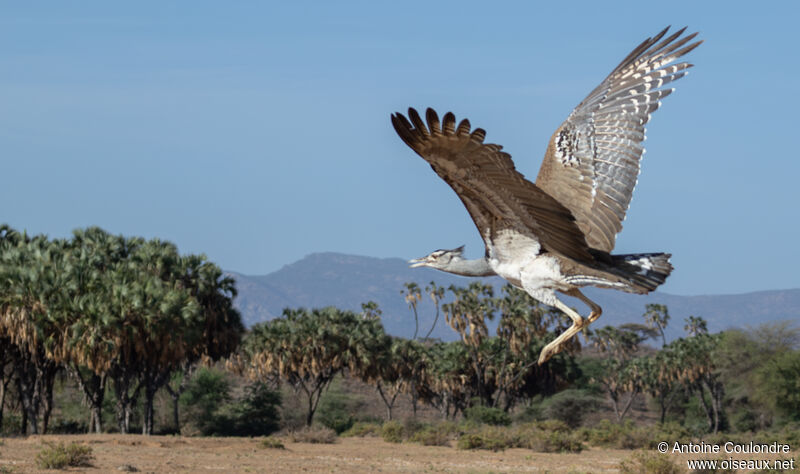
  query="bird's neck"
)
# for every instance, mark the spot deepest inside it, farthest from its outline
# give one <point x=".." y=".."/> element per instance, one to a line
<point x="474" y="268"/>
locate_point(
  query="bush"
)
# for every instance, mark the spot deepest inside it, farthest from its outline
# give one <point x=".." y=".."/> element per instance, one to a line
<point x="620" y="435"/>
<point x="314" y="435"/>
<point x="361" y="429"/>
<point x="555" y="442"/>
<point x="392" y="432"/>
<point x="649" y="462"/>
<point x="435" y="435"/>
<point x="492" y="439"/>
<point x="212" y="412"/>
<point x="487" y="415"/>
<point x="10" y="426"/>
<point x="670" y="432"/>
<point x="207" y="391"/>
<point x="546" y="437"/>
<point x="336" y="411"/>
<point x="257" y="413"/>
<point x="271" y="442"/>
<point x="570" y="406"/>
<point x="412" y="426"/>
<point x="60" y="456"/>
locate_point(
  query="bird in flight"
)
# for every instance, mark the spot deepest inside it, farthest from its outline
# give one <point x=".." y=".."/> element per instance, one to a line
<point x="557" y="234"/>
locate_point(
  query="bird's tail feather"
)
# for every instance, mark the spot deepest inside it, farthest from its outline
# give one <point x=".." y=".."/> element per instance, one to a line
<point x="646" y="271"/>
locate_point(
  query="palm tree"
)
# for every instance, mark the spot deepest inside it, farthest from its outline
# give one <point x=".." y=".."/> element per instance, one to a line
<point x="467" y="314"/>
<point x="437" y="294"/>
<point x="31" y="273"/>
<point x="412" y="295"/>
<point x="657" y="317"/>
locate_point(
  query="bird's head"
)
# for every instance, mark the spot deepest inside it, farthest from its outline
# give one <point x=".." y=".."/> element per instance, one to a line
<point x="438" y="258"/>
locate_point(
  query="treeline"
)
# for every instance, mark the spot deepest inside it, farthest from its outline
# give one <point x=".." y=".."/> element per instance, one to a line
<point x="109" y="310"/>
<point x="735" y="380"/>
<point x="126" y="318"/>
<point x="308" y="348"/>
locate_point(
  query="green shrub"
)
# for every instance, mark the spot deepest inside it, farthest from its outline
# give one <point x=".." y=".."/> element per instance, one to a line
<point x="211" y="411"/>
<point x="546" y="437"/>
<point x="435" y="435"/>
<point x="271" y="442"/>
<point x="744" y="419"/>
<point x="314" y="434"/>
<point x="670" y="432"/>
<point x="531" y="412"/>
<point x="552" y="425"/>
<point x="335" y="411"/>
<point x="649" y="462"/>
<point x="620" y="435"/>
<point x="361" y="429"/>
<point x="339" y="407"/>
<point x="392" y="432"/>
<point x="10" y="426"/>
<point x="59" y="456"/>
<point x="257" y="413"/>
<point x="412" y="425"/>
<point x="207" y="391"/>
<point x="789" y="434"/>
<point x="556" y="442"/>
<point x="492" y="439"/>
<point x="487" y="415"/>
<point x="570" y="406"/>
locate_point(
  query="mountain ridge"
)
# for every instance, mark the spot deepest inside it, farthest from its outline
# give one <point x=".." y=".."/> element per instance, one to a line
<point x="346" y="281"/>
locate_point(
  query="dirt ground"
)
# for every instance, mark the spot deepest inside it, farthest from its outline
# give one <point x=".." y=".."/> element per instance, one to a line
<point x="177" y="454"/>
<point x="168" y="454"/>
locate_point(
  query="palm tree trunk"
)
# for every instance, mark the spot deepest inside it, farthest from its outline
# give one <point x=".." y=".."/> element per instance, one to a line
<point x="3" y="391"/>
<point x="149" y="394"/>
<point x="47" y="376"/>
<point x="94" y="390"/>
<point x="29" y="399"/>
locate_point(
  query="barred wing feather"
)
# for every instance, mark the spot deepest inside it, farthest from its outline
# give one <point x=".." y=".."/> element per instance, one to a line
<point x="593" y="159"/>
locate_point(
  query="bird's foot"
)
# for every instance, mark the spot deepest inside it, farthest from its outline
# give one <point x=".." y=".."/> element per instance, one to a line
<point x="557" y="344"/>
<point x="549" y="351"/>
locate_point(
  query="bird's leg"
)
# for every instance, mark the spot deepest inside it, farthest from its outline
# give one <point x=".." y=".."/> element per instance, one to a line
<point x="596" y="309"/>
<point x="578" y="323"/>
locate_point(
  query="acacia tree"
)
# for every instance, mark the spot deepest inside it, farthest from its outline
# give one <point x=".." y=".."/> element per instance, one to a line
<point x="695" y="355"/>
<point x="620" y="375"/>
<point x="658" y="372"/>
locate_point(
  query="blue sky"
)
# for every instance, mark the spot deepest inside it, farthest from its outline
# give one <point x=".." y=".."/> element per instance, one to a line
<point x="258" y="132"/>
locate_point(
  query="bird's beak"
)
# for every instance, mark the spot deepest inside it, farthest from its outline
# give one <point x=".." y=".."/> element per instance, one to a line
<point x="417" y="262"/>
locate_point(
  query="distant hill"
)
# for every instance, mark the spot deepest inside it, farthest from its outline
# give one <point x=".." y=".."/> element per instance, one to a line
<point x="346" y="281"/>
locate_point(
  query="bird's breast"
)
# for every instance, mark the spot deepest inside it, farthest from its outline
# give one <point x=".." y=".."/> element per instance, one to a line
<point x="510" y="253"/>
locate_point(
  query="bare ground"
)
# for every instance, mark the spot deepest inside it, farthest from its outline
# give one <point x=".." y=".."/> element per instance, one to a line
<point x="179" y="454"/>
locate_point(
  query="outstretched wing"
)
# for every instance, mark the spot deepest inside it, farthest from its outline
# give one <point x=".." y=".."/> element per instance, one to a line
<point x="592" y="162"/>
<point x="495" y="194"/>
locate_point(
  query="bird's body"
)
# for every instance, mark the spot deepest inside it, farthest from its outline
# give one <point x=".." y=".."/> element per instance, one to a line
<point x="557" y="234"/>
